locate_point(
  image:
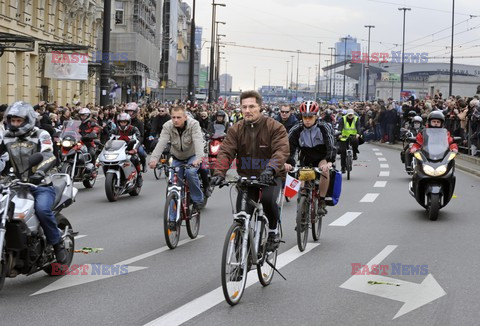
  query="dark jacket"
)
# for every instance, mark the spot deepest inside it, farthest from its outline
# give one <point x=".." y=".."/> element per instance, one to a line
<point x="157" y="124"/>
<point x="291" y="121"/>
<point x="255" y="146"/>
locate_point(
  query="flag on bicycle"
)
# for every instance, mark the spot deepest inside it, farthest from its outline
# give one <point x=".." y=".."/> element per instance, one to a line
<point x="292" y="186"/>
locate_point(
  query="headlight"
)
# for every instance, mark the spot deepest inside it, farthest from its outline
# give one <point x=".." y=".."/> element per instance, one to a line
<point x="451" y="156"/>
<point x="214" y="149"/>
<point x="418" y="156"/>
<point x="441" y="170"/>
<point x="111" y="156"/>
<point x="67" y="143"/>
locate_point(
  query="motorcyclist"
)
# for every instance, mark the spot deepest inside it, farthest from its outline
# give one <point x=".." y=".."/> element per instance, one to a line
<point x="220" y="119"/>
<point x="186" y="140"/>
<point x="257" y="139"/>
<point x="316" y="142"/>
<point x="435" y="119"/>
<point x="125" y="131"/>
<point x="132" y="110"/>
<point x="349" y="126"/>
<point x="21" y="140"/>
<point x="89" y="130"/>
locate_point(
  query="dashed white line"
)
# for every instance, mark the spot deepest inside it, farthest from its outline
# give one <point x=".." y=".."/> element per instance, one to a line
<point x="384" y="166"/>
<point x="378" y="154"/>
<point x="345" y="219"/>
<point x="380" y="184"/>
<point x="375" y="149"/>
<point x="384" y="174"/>
<point x="369" y="198"/>
<point x="382" y="159"/>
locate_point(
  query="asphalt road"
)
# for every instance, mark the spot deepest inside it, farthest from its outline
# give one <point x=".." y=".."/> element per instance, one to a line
<point x="168" y="287"/>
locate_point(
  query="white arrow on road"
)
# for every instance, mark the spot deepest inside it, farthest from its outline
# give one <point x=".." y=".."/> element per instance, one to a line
<point x="73" y="280"/>
<point x="413" y="295"/>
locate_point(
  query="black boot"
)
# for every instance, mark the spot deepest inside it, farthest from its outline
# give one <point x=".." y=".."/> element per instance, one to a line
<point x="60" y="252"/>
<point x="139" y="180"/>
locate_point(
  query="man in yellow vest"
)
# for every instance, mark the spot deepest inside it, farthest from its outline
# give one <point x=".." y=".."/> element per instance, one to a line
<point x="350" y="127"/>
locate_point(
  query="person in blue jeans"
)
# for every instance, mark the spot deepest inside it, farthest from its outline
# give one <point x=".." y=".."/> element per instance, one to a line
<point x="186" y="139"/>
<point x="21" y="140"/>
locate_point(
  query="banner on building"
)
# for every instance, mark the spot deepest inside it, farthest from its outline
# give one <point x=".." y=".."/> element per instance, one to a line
<point x="388" y="76"/>
<point x="65" y="66"/>
<point x="152" y="83"/>
<point x="202" y="79"/>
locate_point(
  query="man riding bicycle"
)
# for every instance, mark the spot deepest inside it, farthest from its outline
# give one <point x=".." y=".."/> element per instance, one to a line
<point x="350" y="128"/>
<point x="260" y="145"/>
<point x="186" y="138"/>
<point x="315" y="140"/>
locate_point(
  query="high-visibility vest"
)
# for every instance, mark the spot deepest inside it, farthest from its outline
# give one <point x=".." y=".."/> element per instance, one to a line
<point x="348" y="128"/>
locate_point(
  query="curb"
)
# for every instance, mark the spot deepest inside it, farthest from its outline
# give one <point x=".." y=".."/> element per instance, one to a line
<point x="461" y="167"/>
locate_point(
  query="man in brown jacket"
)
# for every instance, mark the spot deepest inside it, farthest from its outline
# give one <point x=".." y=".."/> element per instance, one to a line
<point x="261" y="148"/>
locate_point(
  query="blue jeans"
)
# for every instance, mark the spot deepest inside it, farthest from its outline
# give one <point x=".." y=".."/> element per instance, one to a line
<point x="44" y="199"/>
<point x="192" y="176"/>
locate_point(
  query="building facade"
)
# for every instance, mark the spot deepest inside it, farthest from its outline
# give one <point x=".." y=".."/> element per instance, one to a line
<point x="225" y="83"/>
<point x="46" y="27"/>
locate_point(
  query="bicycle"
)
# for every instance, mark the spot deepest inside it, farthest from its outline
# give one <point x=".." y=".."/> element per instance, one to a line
<point x="245" y="244"/>
<point x="349" y="158"/>
<point x="307" y="206"/>
<point x="178" y="208"/>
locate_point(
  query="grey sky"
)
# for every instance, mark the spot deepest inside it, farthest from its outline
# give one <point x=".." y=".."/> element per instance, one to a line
<point x="300" y="24"/>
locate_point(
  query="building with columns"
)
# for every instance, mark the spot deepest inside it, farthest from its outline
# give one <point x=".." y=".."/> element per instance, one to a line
<point x="30" y="31"/>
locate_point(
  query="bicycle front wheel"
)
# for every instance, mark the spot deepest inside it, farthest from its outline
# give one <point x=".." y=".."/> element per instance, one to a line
<point x="193" y="223"/>
<point x="302" y="223"/>
<point x="266" y="270"/>
<point x="316" y="220"/>
<point x="349" y="166"/>
<point x="234" y="273"/>
<point x="172" y="235"/>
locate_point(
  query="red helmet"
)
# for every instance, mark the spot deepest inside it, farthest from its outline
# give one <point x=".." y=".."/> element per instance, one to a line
<point x="309" y="108"/>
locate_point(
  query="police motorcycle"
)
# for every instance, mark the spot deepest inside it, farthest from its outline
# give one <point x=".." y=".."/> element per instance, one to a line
<point x="23" y="245"/>
<point x="433" y="180"/>
<point x="76" y="161"/>
<point x="121" y="175"/>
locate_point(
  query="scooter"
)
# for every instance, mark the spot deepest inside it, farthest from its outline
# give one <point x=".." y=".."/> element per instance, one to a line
<point x="121" y="174"/>
<point x="433" y="180"/>
<point x="23" y="245"/>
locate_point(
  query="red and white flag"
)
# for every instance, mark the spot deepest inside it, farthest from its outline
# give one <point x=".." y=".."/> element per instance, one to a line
<point x="292" y="186"/>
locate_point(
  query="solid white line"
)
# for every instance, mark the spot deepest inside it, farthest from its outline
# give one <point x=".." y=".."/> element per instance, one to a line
<point x="369" y="198"/>
<point x="384" y="166"/>
<point x="375" y="149"/>
<point x="80" y="236"/>
<point x="380" y="184"/>
<point x="345" y="219"/>
<point x="381" y="159"/>
<point x="378" y="154"/>
<point x="384" y="174"/>
<point x="156" y="251"/>
<point x="211" y="299"/>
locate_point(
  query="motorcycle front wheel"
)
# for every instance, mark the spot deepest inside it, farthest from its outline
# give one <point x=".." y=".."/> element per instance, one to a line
<point x="110" y="188"/>
<point x="434" y="207"/>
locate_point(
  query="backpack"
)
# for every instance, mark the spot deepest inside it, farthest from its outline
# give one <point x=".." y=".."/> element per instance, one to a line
<point x="334" y="188"/>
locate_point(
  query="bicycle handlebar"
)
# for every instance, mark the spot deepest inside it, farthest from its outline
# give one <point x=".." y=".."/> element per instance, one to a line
<point x="244" y="181"/>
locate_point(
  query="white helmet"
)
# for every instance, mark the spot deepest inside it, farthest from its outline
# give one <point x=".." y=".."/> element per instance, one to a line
<point x="85" y="111"/>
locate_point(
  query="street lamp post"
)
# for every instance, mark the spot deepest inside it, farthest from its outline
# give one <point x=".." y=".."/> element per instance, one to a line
<point x="212" y="51"/>
<point x="450" y="84"/>
<point x="296" y="88"/>
<point x="191" y="66"/>
<point x="291" y="80"/>
<point x="319" y="68"/>
<point x="331" y="73"/>
<point x="344" y="69"/>
<point x="217" y="67"/>
<point x="105" y="68"/>
<point x="225" y="86"/>
<point x="403" y="49"/>
<point x="368" y="58"/>
<point x="327" y="78"/>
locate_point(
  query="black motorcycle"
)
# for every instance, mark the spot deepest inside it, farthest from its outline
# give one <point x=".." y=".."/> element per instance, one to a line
<point x="433" y="180"/>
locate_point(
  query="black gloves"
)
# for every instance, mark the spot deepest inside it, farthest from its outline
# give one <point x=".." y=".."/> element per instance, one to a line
<point x="217" y="180"/>
<point x="36" y="178"/>
<point x="267" y="176"/>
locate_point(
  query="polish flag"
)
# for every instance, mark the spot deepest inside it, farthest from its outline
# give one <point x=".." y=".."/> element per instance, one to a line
<point x="292" y="186"/>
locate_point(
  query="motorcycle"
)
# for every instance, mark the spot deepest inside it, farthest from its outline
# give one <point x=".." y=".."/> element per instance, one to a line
<point x="121" y="175"/>
<point x="76" y="161"/>
<point x="405" y="154"/>
<point x="214" y="143"/>
<point x="433" y="180"/>
<point x="23" y="245"/>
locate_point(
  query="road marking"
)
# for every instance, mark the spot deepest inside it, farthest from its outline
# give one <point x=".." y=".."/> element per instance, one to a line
<point x="73" y="280"/>
<point x="375" y="149"/>
<point x="380" y="184"/>
<point x="384" y="174"/>
<point x="381" y="159"/>
<point x="211" y="299"/>
<point x="345" y="219"/>
<point x="369" y="198"/>
<point x="412" y="295"/>
<point x="384" y="166"/>
<point x="80" y="236"/>
<point x="378" y="154"/>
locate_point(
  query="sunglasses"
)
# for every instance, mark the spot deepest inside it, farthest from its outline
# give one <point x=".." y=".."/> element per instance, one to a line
<point x="285" y="112"/>
<point x="308" y="117"/>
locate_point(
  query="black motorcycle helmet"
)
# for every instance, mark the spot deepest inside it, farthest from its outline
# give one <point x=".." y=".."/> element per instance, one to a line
<point x="411" y="114"/>
<point x="221" y="113"/>
<point x="435" y="115"/>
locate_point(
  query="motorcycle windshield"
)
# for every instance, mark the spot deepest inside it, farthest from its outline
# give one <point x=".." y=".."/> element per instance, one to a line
<point x="435" y="143"/>
<point x="114" y="145"/>
<point x="71" y="129"/>
<point x="219" y="130"/>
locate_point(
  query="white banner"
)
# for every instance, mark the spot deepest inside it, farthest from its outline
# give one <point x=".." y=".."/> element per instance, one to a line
<point x="66" y="66"/>
<point x="152" y="83"/>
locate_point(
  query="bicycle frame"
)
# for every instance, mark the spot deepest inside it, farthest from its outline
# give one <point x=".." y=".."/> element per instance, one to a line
<point x="174" y="187"/>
